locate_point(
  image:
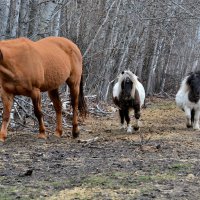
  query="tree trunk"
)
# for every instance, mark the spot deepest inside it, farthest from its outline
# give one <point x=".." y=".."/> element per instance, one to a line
<point x="167" y="64"/>
<point x="24" y="18"/>
<point x="4" y="14"/>
<point x="14" y="19"/>
<point x="56" y="24"/>
<point x="152" y="68"/>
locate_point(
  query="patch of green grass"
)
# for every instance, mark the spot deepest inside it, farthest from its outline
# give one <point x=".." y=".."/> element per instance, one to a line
<point x="114" y="184"/>
<point x="163" y="106"/>
<point x="28" y="191"/>
<point x="180" y="167"/>
<point x="9" y="192"/>
<point x="158" y="177"/>
<point x="100" y="181"/>
<point x="58" y="184"/>
<point x="124" y="179"/>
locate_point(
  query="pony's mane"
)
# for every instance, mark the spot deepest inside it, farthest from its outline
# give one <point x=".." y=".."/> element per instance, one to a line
<point x="184" y="84"/>
<point x="132" y="76"/>
<point x="127" y="73"/>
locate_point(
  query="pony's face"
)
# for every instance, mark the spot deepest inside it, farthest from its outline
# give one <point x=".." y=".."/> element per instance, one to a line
<point x="127" y="86"/>
<point x="194" y="85"/>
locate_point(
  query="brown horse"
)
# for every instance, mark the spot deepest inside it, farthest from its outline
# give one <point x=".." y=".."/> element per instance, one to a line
<point x="29" y="68"/>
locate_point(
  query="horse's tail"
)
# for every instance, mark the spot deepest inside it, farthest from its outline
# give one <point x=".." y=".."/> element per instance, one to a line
<point x="82" y="106"/>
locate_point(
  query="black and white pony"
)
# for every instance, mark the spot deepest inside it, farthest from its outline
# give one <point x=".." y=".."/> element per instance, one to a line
<point x="188" y="99"/>
<point x="128" y="93"/>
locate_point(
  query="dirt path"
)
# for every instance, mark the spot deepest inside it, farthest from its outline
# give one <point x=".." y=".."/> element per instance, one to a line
<point x="162" y="161"/>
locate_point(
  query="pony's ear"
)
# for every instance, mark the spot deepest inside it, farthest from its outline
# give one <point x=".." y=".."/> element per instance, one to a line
<point x="190" y="78"/>
<point x="190" y="73"/>
<point x="1" y="55"/>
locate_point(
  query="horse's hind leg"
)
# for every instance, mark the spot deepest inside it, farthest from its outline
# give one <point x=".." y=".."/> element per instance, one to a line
<point x="7" y="100"/>
<point x="74" y="92"/>
<point x="36" y="99"/>
<point x="54" y="96"/>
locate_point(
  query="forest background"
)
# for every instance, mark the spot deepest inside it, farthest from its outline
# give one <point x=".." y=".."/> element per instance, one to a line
<point x="157" y="40"/>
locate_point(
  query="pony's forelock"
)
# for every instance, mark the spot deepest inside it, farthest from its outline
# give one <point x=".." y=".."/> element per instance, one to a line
<point x="127" y="73"/>
<point x="131" y="76"/>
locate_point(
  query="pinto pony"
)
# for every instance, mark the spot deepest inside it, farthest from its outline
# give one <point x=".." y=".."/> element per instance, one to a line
<point x="29" y="68"/>
<point x="188" y="99"/>
<point x="128" y="93"/>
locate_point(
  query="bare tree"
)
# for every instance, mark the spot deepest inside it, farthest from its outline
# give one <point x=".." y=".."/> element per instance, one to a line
<point x="14" y="18"/>
<point x="4" y="13"/>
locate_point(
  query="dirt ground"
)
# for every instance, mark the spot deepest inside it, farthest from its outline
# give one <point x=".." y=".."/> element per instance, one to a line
<point x="161" y="161"/>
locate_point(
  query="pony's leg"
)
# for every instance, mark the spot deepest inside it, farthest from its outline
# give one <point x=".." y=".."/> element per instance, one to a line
<point x="196" y="120"/>
<point x="188" y="117"/>
<point x="74" y="92"/>
<point x="54" y="96"/>
<point x="137" y="117"/>
<point x="127" y="118"/>
<point x="121" y="114"/>
<point x="36" y="99"/>
<point x="7" y="100"/>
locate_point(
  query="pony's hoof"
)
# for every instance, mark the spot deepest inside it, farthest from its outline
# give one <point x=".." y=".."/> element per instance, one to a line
<point x="122" y="127"/>
<point x="129" y="129"/>
<point x="136" y="128"/>
<point x="42" y="136"/>
<point x="189" y="126"/>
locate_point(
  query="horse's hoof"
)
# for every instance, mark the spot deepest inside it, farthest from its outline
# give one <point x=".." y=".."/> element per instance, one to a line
<point x="42" y="136"/>
<point x="75" y="134"/>
<point x="58" y="134"/>
<point x="2" y="138"/>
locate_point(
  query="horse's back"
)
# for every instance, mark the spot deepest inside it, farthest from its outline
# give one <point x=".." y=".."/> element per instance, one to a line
<point x="61" y="59"/>
<point x="61" y="44"/>
<point x="59" y="52"/>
